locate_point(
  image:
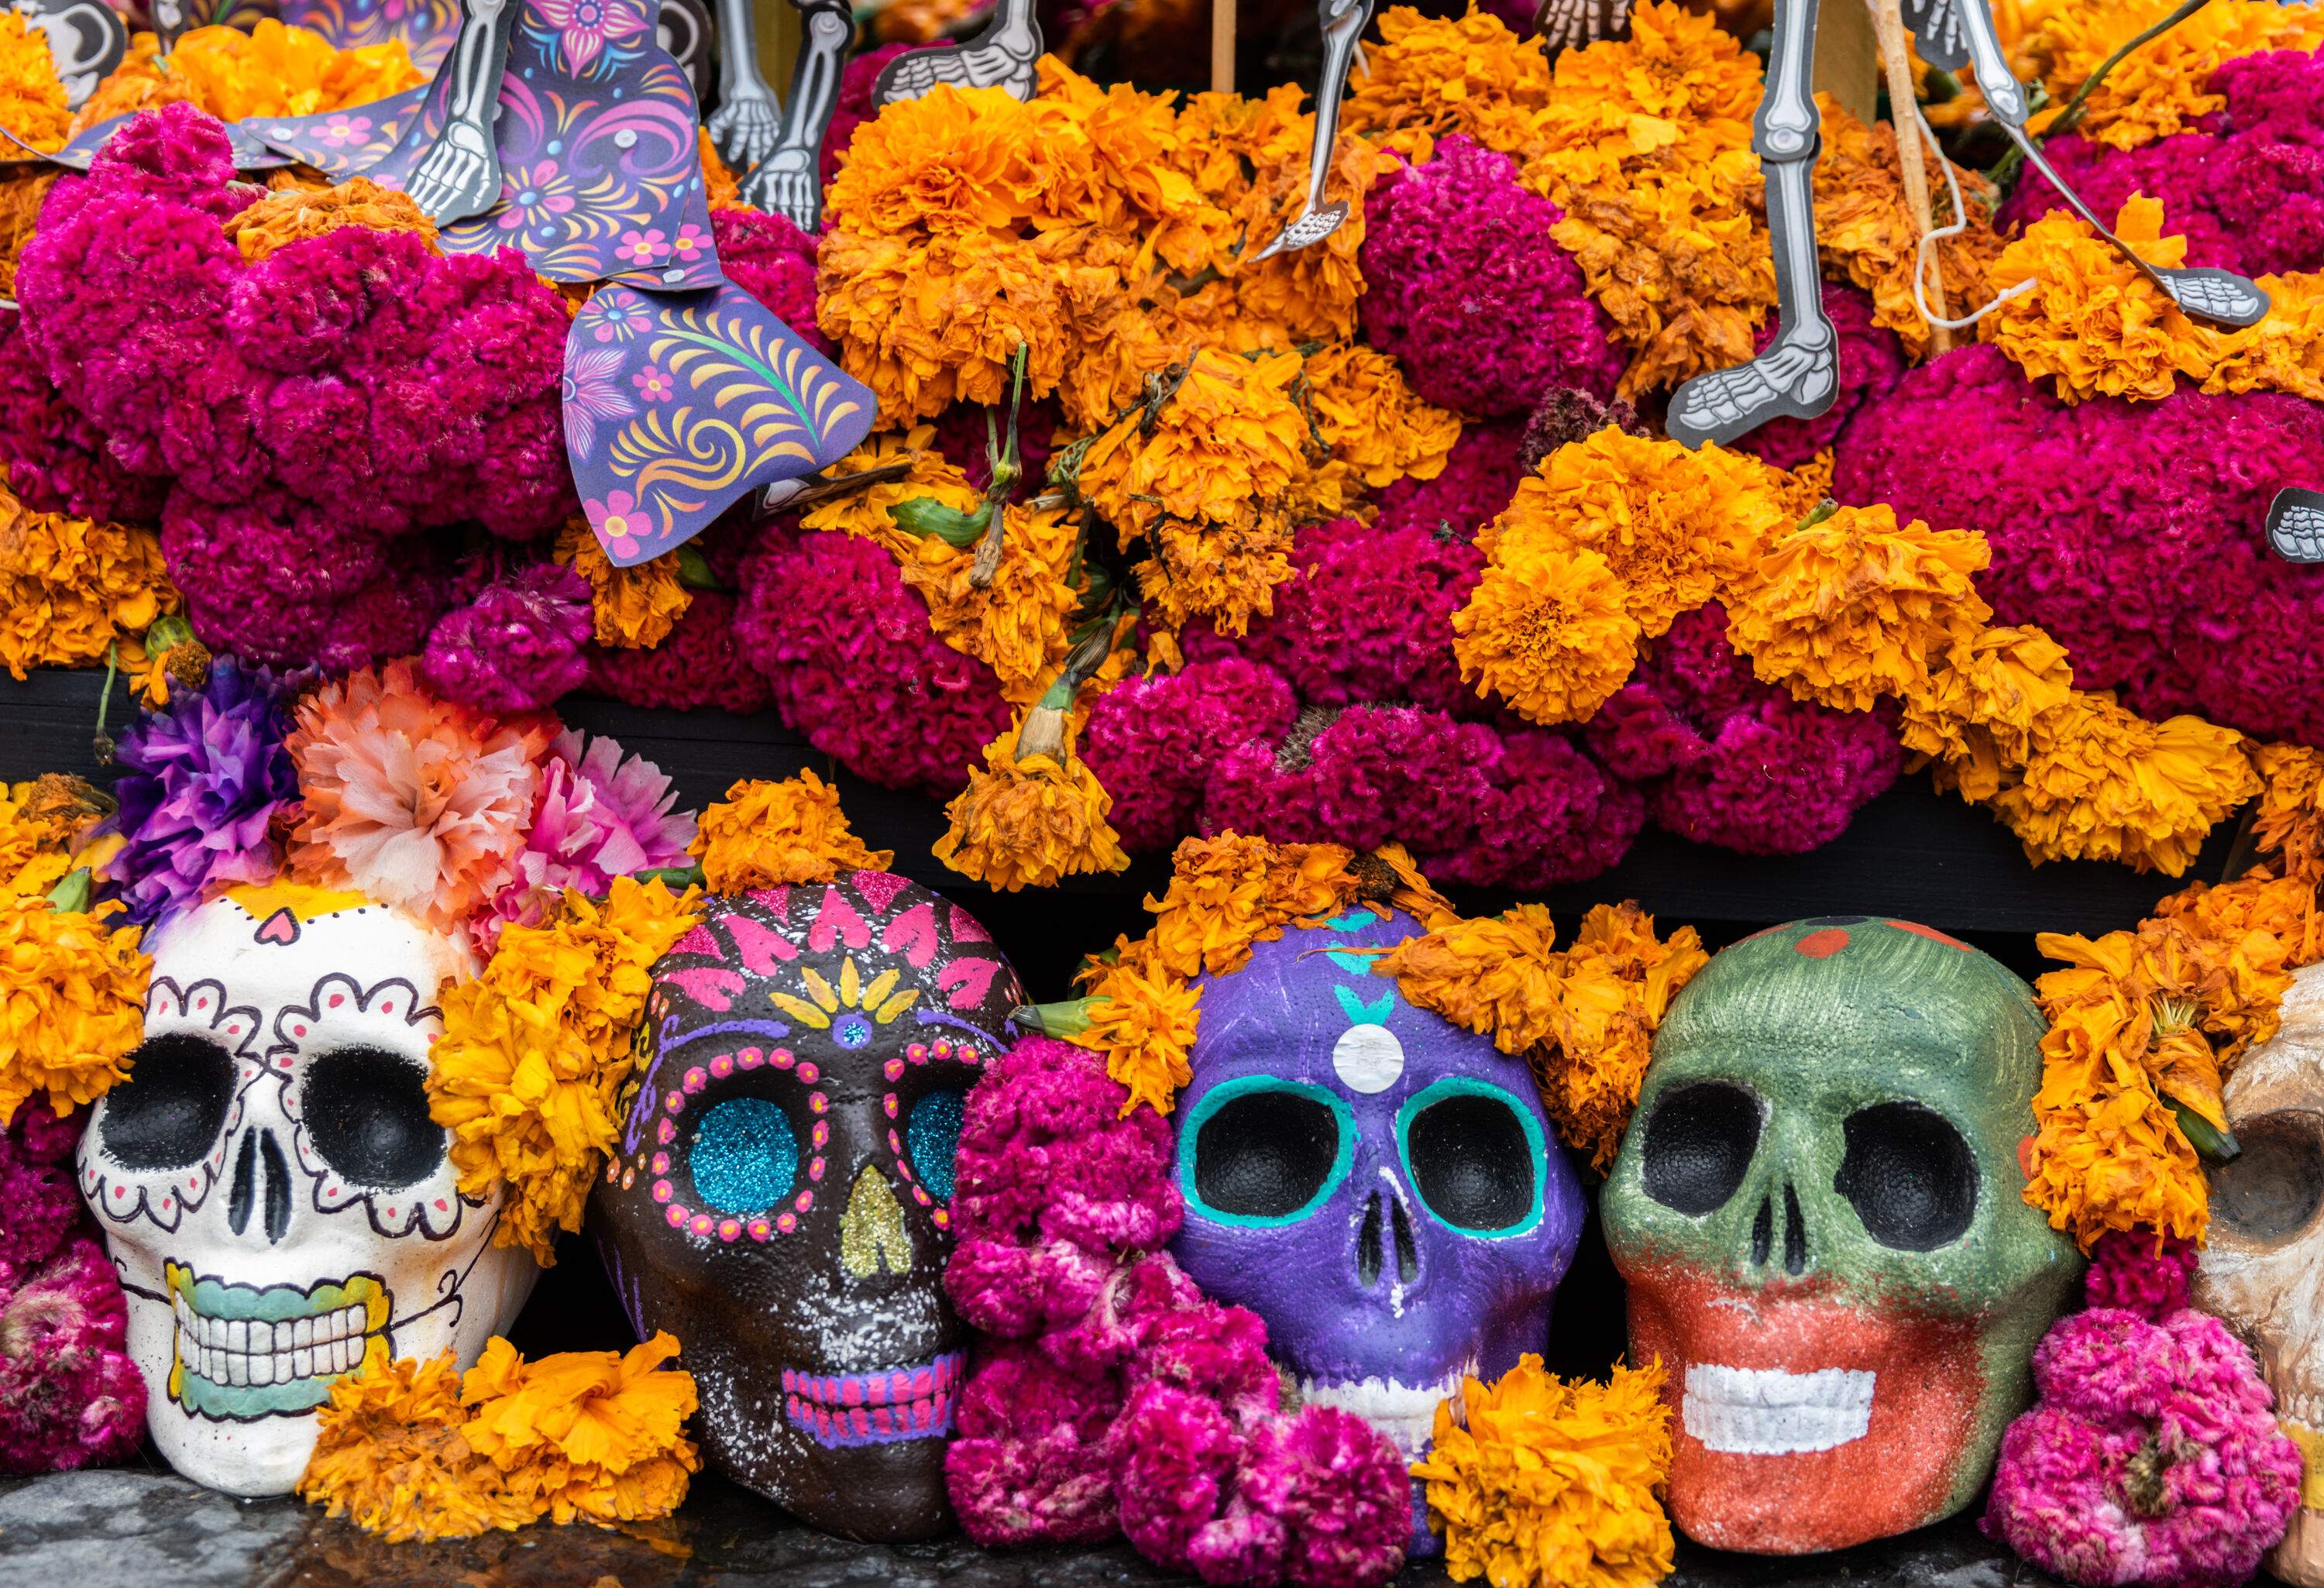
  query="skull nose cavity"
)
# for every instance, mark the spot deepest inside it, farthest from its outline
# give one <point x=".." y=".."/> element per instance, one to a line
<point x="1796" y="1233"/>
<point x="260" y="1159"/>
<point x="871" y="1233"/>
<point x="1763" y="1233"/>
<point x="1371" y="1241"/>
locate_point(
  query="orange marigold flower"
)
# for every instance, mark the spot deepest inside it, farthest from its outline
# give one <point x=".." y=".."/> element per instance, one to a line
<point x="31" y="95"/>
<point x="1033" y="816"/>
<point x="2161" y="87"/>
<point x="2290" y="821"/>
<point x="293" y="214"/>
<point x="1372" y="421"/>
<point x="1469" y="74"/>
<point x="631" y="608"/>
<point x="596" y="1435"/>
<point x="1617" y="982"/>
<point x="72" y="587"/>
<point x="1143" y="1018"/>
<point x="1497" y="976"/>
<point x="768" y="833"/>
<point x="390" y="1457"/>
<point x="274" y="70"/>
<point x="1536" y="1480"/>
<point x="1546" y="631"/>
<point x="1982" y="706"/>
<point x="72" y="996"/>
<point x="1230" y="893"/>
<point x="1853" y="607"/>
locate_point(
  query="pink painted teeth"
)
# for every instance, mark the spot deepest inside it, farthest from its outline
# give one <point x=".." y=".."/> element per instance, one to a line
<point x="875" y="1407"/>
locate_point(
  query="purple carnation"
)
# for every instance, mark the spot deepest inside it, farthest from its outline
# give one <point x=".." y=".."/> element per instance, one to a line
<point x="2133" y="533"/>
<point x="1369" y="616"/>
<point x="1478" y="482"/>
<point x="1466" y="287"/>
<point x="200" y="781"/>
<point x="2153" y="1455"/>
<point x="868" y="680"/>
<point x="1871" y="361"/>
<point x="518" y="645"/>
<point x="1153" y="740"/>
<point x="70" y="1395"/>
<point x="2246" y="188"/>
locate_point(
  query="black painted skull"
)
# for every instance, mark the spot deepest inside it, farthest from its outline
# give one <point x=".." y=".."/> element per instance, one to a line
<point x="778" y="1200"/>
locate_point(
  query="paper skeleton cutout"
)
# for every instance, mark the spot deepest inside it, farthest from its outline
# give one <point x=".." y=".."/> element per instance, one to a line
<point x="1005" y="55"/>
<point x="1576" y="24"/>
<point x="562" y="127"/>
<point x="1797" y="376"/>
<point x="788" y="180"/>
<point x="86" y="39"/>
<point x="749" y="118"/>
<point x="1344" y="22"/>
<point x="2295" y="524"/>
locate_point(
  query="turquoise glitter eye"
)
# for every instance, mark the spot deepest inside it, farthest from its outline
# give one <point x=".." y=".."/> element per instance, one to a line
<point x="746" y="1156"/>
<point x="933" y="1136"/>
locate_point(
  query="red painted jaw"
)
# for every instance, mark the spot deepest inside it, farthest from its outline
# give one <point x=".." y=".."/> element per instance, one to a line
<point x="1799" y="1422"/>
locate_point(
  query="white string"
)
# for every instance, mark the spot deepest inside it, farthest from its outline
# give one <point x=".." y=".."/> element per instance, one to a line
<point x="1937" y="233"/>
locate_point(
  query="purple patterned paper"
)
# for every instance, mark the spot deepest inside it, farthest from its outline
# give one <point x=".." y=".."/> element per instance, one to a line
<point x="250" y="152"/>
<point x="426" y="27"/>
<point x="341" y="142"/>
<point x="676" y="404"/>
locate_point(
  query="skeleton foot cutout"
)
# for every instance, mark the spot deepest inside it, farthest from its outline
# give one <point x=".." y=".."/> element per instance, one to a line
<point x="460" y="175"/>
<point x="2295" y="525"/>
<point x="1344" y="22"/>
<point x="789" y="181"/>
<point x="1797" y="377"/>
<point x="1004" y="56"/>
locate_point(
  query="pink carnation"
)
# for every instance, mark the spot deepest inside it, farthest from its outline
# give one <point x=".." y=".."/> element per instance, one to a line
<point x="596" y="817"/>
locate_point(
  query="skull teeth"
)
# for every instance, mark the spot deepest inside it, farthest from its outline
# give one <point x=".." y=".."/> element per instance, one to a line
<point x="1767" y="1411"/>
<point x="876" y="1408"/>
<point x="253" y="1352"/>
<point x="1405" y="1413"/>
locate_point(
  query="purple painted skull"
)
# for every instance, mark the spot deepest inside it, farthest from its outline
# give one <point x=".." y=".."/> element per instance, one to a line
<point x="1381" y="1186"/>
<point x="779" y="1200"/>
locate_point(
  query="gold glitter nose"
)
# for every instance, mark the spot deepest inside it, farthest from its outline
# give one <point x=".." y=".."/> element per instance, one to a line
<point x="871" y="1230"/>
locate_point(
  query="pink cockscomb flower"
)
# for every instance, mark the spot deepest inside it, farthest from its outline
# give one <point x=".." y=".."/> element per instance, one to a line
<point x="597" y="816"/>
<point x="2153" y="1455"/>
<point x="518" y="646"/>
<point x="417" y="801"/>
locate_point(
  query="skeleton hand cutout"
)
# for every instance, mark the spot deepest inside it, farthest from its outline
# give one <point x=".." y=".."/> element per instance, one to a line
<point x="789" y="179"/>
<point x="1344" y="23"/>
<point x="1004" y="56"/>
<point x="748" y="120"/>
<point x="460" y="175"/>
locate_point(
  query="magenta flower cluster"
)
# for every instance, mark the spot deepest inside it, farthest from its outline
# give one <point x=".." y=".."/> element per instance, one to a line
<point x="1112" y="1395"/>
<point x="1465" y="286"/>
<point x="1871" y="361"/>
<point x="2133" y="533"/>
<point x="70" y="1395"/>
<point x="1342" y="718"/>
<point x="518" y="645"/>
<point x="2247" y="187"/>
<point x="2152" y="1454"/>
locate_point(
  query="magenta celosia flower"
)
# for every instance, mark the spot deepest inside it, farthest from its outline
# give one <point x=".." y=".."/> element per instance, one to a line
<point x="596" y="817"/>
<point x="2152" y="1454"/>
<point x="70" y="1395"/>
<point x="697" y="665"/>
<point x="1465" y="286"/>
<point x="1477" y="481"/>
<point x="2246" y="189"/>
<point x="1152" y="741"/>
<point x="770" y="258"/>
<point x="2133" y="533"/>
<point x="518" y="645"/>
<point x="867" y="681"/>
<point x="1871" y="361"/>
<point x="1370" y="617"/>
<point x="306" y="414"/>
<point x="1552" y="816"/>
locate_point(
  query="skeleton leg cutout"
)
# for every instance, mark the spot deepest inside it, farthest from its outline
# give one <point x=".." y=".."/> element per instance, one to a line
<point x="1004" y="56"/>
<point x="460" y="175"/>
<point x="1344" y="22"/>
<point x="748" y="123"/>
<point x="789" y="181"/>
<point x="1799" y="373"/>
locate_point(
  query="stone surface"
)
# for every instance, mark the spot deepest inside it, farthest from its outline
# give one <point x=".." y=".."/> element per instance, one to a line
<point x="149" y="1529"/>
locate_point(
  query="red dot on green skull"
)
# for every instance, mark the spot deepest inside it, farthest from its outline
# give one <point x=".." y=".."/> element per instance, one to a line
<point x="1823" y="945"/>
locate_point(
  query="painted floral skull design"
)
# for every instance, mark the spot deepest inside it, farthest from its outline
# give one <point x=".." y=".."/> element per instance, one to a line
<point x="1381" y="1186"/>
<point x="279" y="1206"/>
<point x="1820" y="1217"/>
<point x="779" y="1201"/>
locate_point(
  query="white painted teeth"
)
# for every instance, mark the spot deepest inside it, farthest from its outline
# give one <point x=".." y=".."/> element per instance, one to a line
<point x="1766" y="1411"/>
<point x="1405" y="1413"/>
<point x="239" y="1351"/>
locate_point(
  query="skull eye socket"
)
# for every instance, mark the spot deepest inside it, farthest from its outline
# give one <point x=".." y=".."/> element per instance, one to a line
<point x="932" y="1137"/>
<point x="745" y="1155"/>
<point x="2271" y="1191"/>
<point x="1475" y="1156"/>
<point x="1908" y="1174"/>
<point x="365" y="1109"/>
<point x="1265" y="1151"/>
<point x="170" y="1111"/>
<point x="1699" y="1144"/>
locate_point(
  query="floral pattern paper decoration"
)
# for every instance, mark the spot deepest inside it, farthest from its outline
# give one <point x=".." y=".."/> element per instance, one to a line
<point x="340" y="142"/>
<point x="676" y="404"/>
<point x="426" y="27"/>
<point x="251" y="153"/>
<point x="601" y="174"/>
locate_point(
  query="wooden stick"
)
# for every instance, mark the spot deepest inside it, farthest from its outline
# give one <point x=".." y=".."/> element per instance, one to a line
<point x="1223" y="46"/>
<point x="1889" y="29"/>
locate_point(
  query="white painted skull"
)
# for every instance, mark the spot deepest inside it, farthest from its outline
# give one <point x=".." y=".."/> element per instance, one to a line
<point x="2263" y="1268"/>
<point x="277" y="1200"/>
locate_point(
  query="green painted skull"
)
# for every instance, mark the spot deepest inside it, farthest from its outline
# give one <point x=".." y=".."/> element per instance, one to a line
<point x="1819" y="1213"/>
